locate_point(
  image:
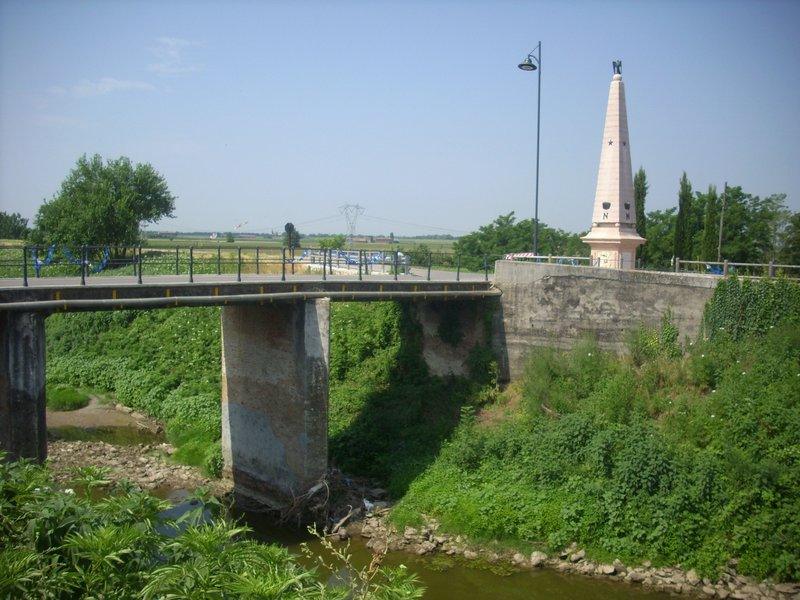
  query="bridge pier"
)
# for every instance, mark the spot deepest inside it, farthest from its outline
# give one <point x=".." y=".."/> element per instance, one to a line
<point x="275" y="398"/>
<point x="23" y="431"/>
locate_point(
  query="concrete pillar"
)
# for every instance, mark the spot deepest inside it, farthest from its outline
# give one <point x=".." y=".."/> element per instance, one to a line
<point x="450" y="330"/>
<point x="275" y="398"/>
<point x="23" y="431"/>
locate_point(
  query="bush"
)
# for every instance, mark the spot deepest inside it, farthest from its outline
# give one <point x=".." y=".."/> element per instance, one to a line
<point x="62" y="397"/>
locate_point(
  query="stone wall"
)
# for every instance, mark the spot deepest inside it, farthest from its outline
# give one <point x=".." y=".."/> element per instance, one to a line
<point x="557" y="305"/>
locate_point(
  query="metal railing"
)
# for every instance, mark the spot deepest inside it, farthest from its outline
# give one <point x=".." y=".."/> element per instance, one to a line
<point x="141" y="262"/>
<point x="724" y="268"/>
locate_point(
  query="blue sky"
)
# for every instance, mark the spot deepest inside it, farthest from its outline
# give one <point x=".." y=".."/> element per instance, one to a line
<point x="273" y="112"/>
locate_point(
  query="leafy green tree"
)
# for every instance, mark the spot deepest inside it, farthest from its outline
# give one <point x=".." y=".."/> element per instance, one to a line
<point x="790" y="246"/>
<point x="660" y="236"/>
<point x="229" y="237"/>
<point x="104" y="204"/>
<point x="639" y="195"/>
<point x="334" y="242"/>
<point x="752" y="226"/>
<point x="13" y="226"/>
<point x="682" y="241"/>
<point x="710" y="237"/>
<point x="505" y="234"/>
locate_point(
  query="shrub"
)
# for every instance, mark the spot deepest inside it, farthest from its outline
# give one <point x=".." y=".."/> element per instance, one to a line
<point x="62" y="397"/>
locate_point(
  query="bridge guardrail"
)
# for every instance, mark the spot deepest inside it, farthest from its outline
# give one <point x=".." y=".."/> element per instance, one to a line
<point x="87" y="262"/>
<point x="723" y="268"/>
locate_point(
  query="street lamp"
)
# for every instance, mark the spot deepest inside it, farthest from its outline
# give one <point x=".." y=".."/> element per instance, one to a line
<point x="533" y="62"/>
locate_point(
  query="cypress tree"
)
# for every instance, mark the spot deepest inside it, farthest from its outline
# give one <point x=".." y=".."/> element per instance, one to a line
<point x="683" y="224"/>
<point x="710" y="225"/>
<point x="639" y="194"/>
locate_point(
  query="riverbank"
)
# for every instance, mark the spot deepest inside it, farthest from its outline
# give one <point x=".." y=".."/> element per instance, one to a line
<point x="147" y="466"/>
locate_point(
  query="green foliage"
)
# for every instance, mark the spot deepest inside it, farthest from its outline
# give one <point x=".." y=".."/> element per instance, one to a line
<point x="710" y="239"/>
<point x="678" y="458"/>
<point x="640" y="195"/>
<point x="291" y="237"/>
<point x="505" y="234"/>
<point x="684" y="231"/>
<point x="660" y="235"/>
<point x="164" y="363"/>
<point x="103" y="204"/>
<point x="334" y="242"/>
<point x="743" y="307"/>
<point x="63" y="397"/>
<point x="61" y="545"/>
<point x="13" y="226"/>
<point x="646" y="344"/>
<point x="790" y="242"/>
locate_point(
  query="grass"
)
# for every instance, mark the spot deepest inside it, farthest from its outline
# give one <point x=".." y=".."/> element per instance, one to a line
<point x="63" y="397"/>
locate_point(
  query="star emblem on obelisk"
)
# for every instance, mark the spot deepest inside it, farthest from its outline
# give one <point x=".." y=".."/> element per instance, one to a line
<point x="610" y="142"/>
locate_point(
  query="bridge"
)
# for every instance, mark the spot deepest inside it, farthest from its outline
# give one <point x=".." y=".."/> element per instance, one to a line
<point x="275" y="331"/>
<point x="274" y="356"/>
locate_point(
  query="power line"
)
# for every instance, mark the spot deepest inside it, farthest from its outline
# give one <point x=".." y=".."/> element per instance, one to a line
<point x="351" y="213"/>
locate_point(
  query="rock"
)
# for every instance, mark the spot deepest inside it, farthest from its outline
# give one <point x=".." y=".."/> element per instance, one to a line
<point x="709" y="591"/>
<point x="425" y="548"/>
<point x="635" y="577"/>
<point x="470" y="555"/>
<point x="518" y="559"/>
<point x="787" y="588"/>
<point x="577" y="556"/>
<point x="538" y="559"/>
<point x="378" y="493"/>
<point x="647" y="564"/>
<point x="607" y="569"/>
<point x="692" y="578"/>
<point x="723" y="593"/>
<point x="410" y="533"/>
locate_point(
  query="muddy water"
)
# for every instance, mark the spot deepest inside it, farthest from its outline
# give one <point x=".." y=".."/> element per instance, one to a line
<point x="447" y="579"/>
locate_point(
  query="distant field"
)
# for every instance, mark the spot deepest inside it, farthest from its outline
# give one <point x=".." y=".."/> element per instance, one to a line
<point x="310" y="241"/>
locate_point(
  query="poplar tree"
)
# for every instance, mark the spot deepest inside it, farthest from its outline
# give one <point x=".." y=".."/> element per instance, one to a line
<point x="639" y="195"/>
<point x="683" y="235"/>
<point x="710" y="225"/>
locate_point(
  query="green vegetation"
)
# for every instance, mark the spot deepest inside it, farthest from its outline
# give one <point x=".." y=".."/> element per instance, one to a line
<point x="388" y="415"/>
<point x="60" y="544"/>
<point x="13" y="226"/>
<point x="677" y="455"/>
<point x="164" y="363"/>
<point x="64" y="397"/>
<point x="103" y="204"/>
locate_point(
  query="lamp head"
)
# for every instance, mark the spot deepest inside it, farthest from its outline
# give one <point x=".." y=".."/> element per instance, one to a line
<point x="527" y="64"/>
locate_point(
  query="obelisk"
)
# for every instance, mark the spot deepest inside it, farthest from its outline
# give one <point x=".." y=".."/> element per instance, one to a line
<point x="613" y="238"/>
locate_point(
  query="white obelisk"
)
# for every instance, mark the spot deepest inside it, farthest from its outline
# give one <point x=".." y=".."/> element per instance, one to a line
<point x="613" y="238"/>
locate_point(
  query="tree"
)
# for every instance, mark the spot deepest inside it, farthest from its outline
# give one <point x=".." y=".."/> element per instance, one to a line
<point x="682" y="243"/>
<point x="104" y="204"/>
<point x="505" y="234"/>
<point x="13" y="226"/>
<point x="291" y="237"/>
<point x="639" y="195"/>
<point x="229" y="237"/>
<point x="710" y="239"/>
<point x="334" y="242"/>
<point x="660" y="236"/>
<point x="790" y="243"/>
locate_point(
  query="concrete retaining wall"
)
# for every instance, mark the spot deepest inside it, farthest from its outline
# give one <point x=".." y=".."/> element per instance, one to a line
<point x="557" y="305"/>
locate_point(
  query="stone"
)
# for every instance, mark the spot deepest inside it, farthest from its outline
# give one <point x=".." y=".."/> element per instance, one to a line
<point x="721" y="593"/>
<point x="470" y="554"/>
<point x="538" y="559"/>
<point x="607" y="569"/>
<point x="577" y="556"/>
<point x="692" y="578"/>
<point x="635" y="576"/>
<point x="787" y="588"/>
<point x="647" y="564"/>
<point x="518" y="559"/>
<point x="709" y="591"/>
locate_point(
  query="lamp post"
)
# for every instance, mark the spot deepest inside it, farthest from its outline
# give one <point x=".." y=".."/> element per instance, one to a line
<point x="533" y="62"/>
